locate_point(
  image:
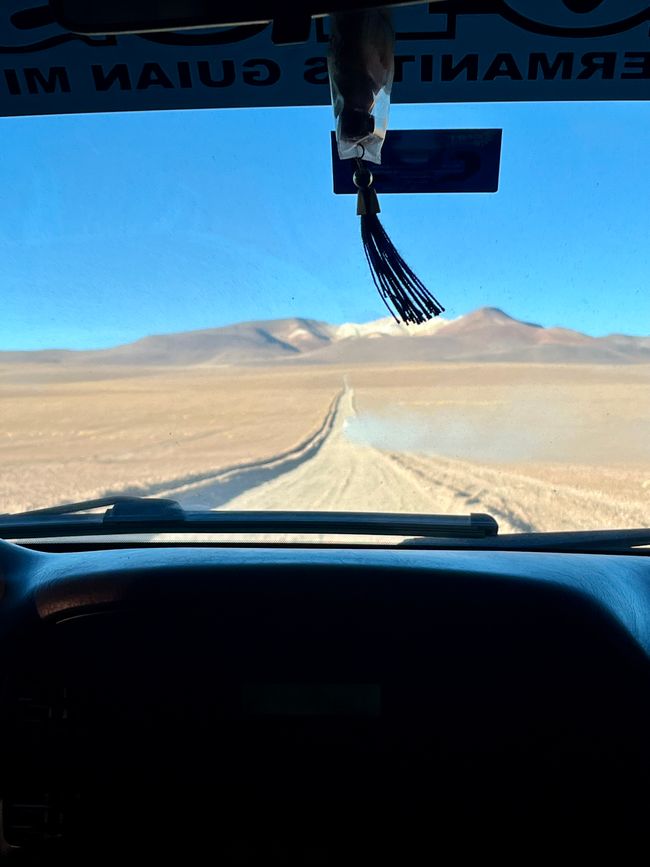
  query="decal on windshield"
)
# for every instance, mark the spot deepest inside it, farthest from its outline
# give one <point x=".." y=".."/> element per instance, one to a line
<point x="474" y="51"/>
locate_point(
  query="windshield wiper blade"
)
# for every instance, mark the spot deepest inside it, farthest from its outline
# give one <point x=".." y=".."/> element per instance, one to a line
<point x="129" y="514"/>
<point x="141" y="514"/>
<point x="577" y="542"/>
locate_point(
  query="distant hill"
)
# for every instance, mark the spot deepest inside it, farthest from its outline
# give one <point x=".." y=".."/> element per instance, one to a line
<point x="487" y="334"/>
<point x="245" y="342"/>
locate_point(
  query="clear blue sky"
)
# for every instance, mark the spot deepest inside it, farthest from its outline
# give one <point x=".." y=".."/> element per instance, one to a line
<point x="117" y="226"/>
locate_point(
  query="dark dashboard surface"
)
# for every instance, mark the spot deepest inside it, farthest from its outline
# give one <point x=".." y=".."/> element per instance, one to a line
<point x="315" y="701"/>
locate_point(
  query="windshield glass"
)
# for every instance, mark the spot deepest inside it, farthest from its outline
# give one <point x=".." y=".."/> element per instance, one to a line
<point x="187" y="312"/>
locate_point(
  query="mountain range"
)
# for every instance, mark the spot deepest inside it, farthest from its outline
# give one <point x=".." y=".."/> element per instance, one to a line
<point x="487" y="334"/>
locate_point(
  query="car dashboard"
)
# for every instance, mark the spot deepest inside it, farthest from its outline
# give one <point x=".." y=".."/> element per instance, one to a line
<point x="305" y="706"/>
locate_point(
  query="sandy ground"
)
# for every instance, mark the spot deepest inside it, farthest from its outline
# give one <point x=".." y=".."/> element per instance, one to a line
<point x="63" y="439"/>
<point x="540" y="447"/>
<point x="348" y="475"/>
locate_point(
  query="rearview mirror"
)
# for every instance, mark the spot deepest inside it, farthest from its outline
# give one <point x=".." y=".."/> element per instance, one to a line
<point x="429" y="161"/>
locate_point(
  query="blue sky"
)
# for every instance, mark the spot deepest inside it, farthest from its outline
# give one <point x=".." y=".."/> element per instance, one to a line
<point x="117" y="226"/>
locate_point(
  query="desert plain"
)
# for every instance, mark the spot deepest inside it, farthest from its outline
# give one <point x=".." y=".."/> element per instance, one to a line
<point x="540" y="446"/>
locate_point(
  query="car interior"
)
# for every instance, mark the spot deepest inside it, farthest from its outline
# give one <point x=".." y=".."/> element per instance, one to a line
<point x="460" y="695"/>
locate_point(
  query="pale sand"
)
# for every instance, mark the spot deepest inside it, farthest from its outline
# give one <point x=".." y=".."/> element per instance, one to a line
<point x="349" y="475"/>
<point x="541" y="447"/>
<point x="70" y="440"/>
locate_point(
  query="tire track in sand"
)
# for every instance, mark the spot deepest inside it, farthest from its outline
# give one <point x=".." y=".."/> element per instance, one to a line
<point x="211" y="489"/>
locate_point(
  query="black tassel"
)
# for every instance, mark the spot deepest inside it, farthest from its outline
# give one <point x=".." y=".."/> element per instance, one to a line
<point x="401" y="290"/>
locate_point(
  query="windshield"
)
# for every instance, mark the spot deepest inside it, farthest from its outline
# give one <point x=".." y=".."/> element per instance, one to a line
<point x="187" y="312"/>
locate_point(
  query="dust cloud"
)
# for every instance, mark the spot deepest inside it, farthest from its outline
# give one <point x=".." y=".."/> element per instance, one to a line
<point x="582" y="429"/>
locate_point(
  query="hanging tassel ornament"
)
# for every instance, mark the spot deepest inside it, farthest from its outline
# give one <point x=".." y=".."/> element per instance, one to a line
<point x="361" y="65"/>
<point x="407" y="298"/>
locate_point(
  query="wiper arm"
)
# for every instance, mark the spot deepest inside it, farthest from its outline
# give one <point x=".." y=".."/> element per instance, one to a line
<point x="134" y="506"/>
<point x="142" y="514"/>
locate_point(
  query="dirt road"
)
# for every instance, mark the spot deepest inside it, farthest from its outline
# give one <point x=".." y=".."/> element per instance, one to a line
<point x="540" y="447"/>
<point x="348" y="475"/>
